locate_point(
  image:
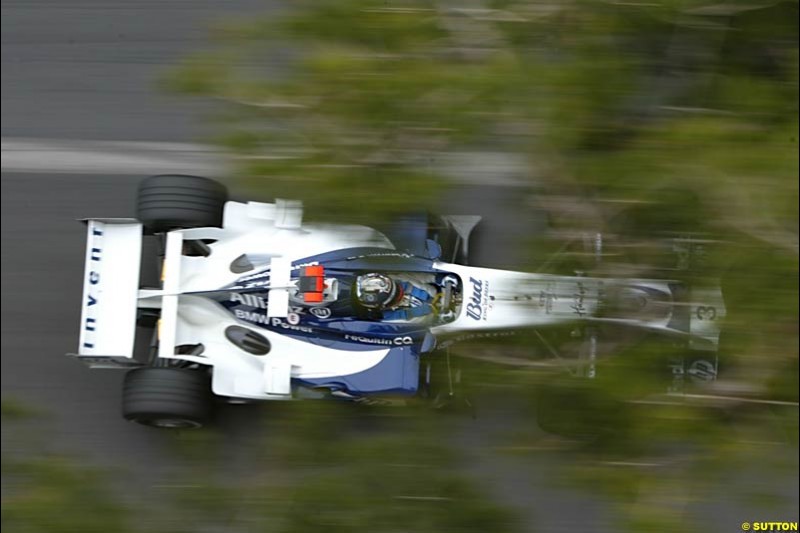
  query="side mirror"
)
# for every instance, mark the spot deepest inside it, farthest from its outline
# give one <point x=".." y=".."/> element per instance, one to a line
<point x="433" y="249"/>
<point x="428" y="343"/>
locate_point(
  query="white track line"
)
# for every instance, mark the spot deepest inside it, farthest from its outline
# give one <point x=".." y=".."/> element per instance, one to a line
<point x="79" y="156"/>
<point x="68" y="156"/>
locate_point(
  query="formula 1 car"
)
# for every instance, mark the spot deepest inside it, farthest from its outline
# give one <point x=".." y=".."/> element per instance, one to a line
<point x="255" y="304"/>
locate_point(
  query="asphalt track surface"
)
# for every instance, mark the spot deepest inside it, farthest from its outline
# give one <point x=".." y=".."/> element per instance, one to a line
<point x="88" y="71"/>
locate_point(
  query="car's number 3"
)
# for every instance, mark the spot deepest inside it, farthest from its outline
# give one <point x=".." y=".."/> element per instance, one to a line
<point x="706" y="312"/>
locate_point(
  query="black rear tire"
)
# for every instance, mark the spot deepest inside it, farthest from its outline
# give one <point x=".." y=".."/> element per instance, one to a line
<point x="168" y="202"/>
<point x="167" y="397"/>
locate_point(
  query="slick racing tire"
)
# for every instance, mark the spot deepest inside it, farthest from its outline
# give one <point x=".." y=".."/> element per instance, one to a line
<point x="167" y="397"/>
<point x="168" y="202"/>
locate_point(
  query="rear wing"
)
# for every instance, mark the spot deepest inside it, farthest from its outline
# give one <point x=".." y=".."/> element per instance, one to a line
<point x="171" y="275"/>
<point x="110" y="292"/>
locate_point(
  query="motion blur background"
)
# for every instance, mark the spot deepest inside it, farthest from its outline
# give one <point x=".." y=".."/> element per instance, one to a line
<point x="556" y="121"/>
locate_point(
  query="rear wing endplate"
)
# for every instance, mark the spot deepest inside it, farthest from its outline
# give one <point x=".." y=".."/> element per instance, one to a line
<point x="110" y="291"/>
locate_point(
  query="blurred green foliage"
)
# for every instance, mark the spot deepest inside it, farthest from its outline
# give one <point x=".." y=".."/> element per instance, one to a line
<point x="332" y="466"/>
<point x="54" y="495"/>
<point x="652" y="120"/>
<point x="394" y="470"/>
<point x="607" y="100"/>
<point x="12" y="410"/>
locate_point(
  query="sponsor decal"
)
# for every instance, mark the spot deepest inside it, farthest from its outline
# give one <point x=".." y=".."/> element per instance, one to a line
<point x="250" y="300"/>
<point x="477" y="335"/>
<point x="261" y="318"/>
<point x="92" y="295"/>
<point x="259" y="275"/>
<point x="702" y="370"/>
<point x="547" y="297"/>
<point x="397" y="341"/>
<point x="579" y="299"/>
<point x="380" y="254"/>
<point x="321" y="312"/>
<point x="478" y="301"/>
<point x="706" y="312"/>
<point x="259" y="302"/>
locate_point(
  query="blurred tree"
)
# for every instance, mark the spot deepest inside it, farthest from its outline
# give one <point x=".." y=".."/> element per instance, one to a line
<point x="326" y="470"/>
<point x="52" y="494"/>
<point x="45" y="492"/>
<point x="376" y="94"/>
<point x="637" y="119"/>
<point x="615" y="98"/>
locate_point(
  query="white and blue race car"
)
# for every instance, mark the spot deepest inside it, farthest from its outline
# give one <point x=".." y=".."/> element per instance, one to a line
<point x="255" y="304"/>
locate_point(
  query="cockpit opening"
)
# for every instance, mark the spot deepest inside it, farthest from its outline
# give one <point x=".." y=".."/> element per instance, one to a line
<point x="407" y="296"/>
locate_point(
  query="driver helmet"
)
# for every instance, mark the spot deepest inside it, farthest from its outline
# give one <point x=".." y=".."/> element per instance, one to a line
<point x="377" y="291"/>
